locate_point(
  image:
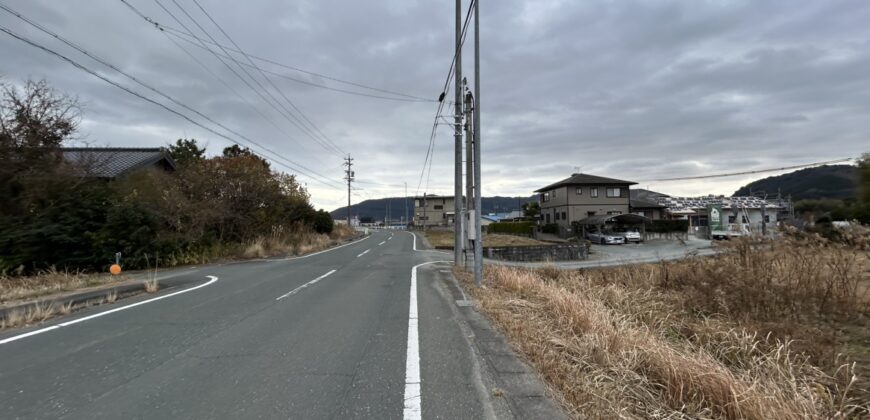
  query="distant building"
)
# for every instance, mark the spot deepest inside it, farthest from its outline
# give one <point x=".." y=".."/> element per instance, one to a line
<point x="433" y="210"/>
<point x="114" y="162"/>
<point x="582" y="195"/>
<point x="748" y="211"/>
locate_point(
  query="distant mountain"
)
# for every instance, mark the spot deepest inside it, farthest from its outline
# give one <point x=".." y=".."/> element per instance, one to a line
<point x="377" y="208"/>
<point x="829" y="181"/>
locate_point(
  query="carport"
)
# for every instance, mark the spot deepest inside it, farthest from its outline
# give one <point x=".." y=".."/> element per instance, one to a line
<point x="624" y="220"/>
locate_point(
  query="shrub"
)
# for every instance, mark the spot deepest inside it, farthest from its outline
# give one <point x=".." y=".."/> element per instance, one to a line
<point x="512" y="228"/>
<point x="550" y="228"/>
<point x="322" y="222"/>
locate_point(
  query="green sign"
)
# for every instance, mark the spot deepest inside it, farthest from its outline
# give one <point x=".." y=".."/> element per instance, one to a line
<point x="714" y="216"/>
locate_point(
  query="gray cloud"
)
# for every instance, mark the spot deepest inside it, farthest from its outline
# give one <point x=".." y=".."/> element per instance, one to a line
<point x="632" y="89"/>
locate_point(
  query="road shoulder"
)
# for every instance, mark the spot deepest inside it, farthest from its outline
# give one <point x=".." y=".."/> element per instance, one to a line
<point x="508" y="387"/>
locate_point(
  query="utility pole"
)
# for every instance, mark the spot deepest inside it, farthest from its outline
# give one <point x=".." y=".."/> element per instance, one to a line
<point x="405" y="221"/>
<point x="469" y="173"/>
<point x="425" y="219"/>
<point x="457" y="135"/>
<point x="478" y="243"/>
<point x="348" y="161"/>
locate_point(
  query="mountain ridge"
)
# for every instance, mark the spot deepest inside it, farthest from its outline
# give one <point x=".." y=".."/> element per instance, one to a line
<point x="821" y="182"/>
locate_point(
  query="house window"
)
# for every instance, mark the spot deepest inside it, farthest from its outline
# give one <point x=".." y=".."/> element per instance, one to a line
<point x="556" y="216"/>
<point x="545" y="197"/>
<point x="614" y="192"/>
<point x="593" y="192"/>
<point x="416" y="203"/>
<point x="437" y="207"/>
<point x="564" y="216"/>
<point x="579" y="190"/>
<point x="766" y="218"/>
<point x="547" y="218"/>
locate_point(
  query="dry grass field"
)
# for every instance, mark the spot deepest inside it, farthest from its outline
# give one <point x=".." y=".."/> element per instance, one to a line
<point x="444" y="240"/>
<point x="767" y="330"/>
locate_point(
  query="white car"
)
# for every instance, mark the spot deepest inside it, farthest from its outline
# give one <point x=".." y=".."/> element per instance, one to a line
<point x="605" y="238"/>
<point x="629" y="234"/>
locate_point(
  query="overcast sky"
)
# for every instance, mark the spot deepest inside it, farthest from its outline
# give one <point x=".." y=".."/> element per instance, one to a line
<point x="637" y="90"/>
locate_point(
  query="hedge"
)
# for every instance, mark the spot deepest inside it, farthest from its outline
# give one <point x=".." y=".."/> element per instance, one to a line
<point x="512" y="228"/>
<point x="550" y="228"/>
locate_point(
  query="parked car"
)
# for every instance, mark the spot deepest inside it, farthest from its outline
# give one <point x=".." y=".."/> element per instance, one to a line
<point x="628" y="234"/>
<point x="605" y="238"/>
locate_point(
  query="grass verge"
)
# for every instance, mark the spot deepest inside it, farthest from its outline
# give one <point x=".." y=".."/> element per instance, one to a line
<point x="769" y="330"/>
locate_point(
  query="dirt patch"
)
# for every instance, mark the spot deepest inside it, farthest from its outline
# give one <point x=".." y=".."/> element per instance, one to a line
<point x="444" y="240"/>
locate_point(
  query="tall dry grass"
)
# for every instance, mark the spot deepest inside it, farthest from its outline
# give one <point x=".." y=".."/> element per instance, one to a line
<point x="13" y="288"/>
<point x="297" y="241"/>
<point x="689" y="339"/>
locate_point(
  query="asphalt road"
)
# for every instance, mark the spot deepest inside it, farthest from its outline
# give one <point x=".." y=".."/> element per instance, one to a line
<point x="338" y="334"/>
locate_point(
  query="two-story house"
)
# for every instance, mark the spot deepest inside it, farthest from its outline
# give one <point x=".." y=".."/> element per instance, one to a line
<point x="582" y="195"/>
<point x="433" y="210"/>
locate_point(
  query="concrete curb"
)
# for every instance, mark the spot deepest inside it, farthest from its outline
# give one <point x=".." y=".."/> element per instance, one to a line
<point x="515" y="387"/>
<point x="99" y="295"/>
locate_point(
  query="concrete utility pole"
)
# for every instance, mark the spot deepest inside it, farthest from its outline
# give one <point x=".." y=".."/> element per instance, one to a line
<point x="457" y="135"/>
<point x="478" y="243"/>
<point x="469" y="172"/>
<point x="348" y="175"/>
<point x="425" y="219"/>
<point x="405" y="221"/>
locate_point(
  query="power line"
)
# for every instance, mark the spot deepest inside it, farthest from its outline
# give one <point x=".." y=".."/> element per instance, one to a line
<point x="430" y="151"/>
<point x="185" y="35"/>
<point x="137" y="81"/>
<point x="751" y="172"/>
<point x="227" y="85"/>
<point x="328" y="145"/>
<point x="277" y="159"/>
<point x="271" y="83"/>
<point x="305" y="82"/>
<point x="286" y="113"/>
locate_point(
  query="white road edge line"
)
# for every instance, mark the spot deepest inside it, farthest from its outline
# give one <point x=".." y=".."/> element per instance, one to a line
<point x="293" y="292"/>
<point x="413" y="408"/>
<point x="415" y="239"/>
<point x="321" y="252"/>
<point x="364" y="252"/>
<point x="382" y="242"/>
<point x="97" y="315"/>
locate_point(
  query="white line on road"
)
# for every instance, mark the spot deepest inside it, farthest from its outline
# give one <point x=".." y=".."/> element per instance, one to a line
<point x="415" y="240"/>
<point x="293" y="292"/>
<point x="413" y="408"/>
<point x="321" y="252"/>
<point x="364" y="252"/>
<point x="382" y="242"/>
<point x="97" y="315"/>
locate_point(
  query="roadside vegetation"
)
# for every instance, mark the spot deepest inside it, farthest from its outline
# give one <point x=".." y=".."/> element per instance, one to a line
<point x="57" y="218"/>
<point x="766" y="330"/>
